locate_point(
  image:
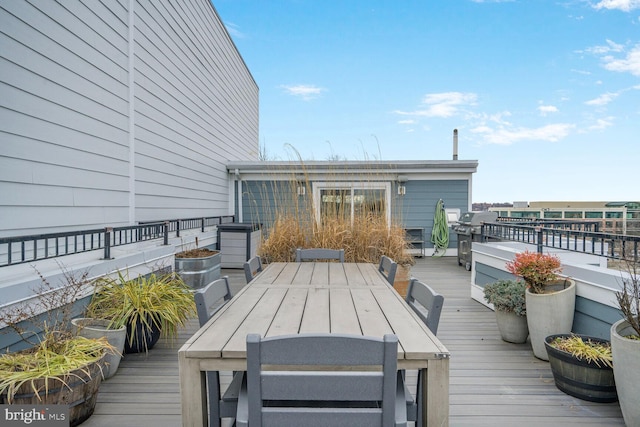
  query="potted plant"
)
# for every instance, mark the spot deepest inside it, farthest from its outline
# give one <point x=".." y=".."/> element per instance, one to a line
<point x="550" y="300"/>
<point x="150" y="307"/>
<point x="115" y="335"/>
<point x="59" y="367"/>
<point x="625" y="346"/>
<point x="198" y="266"/>
<point x="582" y="366"/>
<point x="507" y="297"/>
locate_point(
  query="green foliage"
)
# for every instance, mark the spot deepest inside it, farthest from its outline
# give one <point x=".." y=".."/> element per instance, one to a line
<point x="165" y="302"/>
<point x="507" y="295"/>
<point x="536" y="269"/>
<point x="590" y="351"/>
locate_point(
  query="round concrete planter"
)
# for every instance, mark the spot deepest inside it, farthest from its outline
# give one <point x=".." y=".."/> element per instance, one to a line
<point x="513" y="328"/>
<point x="199" y="272"/>
<point x="626" y="368"/>
<point x="98" y="328"/>
<point x="550" y="313"/>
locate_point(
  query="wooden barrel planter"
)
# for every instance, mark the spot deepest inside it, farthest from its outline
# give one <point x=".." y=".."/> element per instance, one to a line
<point x="79" y="391"/>
<point x="581" y="378"/>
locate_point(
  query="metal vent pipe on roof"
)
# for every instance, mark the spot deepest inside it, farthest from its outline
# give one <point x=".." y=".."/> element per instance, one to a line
<point x="455" y="144"/>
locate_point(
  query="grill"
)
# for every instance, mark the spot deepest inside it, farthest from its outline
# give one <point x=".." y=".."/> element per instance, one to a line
<point x="468" y="230"/>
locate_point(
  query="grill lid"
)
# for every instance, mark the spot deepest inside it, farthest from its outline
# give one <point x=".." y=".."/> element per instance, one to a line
<point x="469" y="222"/>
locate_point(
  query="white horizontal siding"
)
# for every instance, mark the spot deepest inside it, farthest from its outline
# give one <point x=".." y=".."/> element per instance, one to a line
<point x="63" y="105"/>
<point x="64" y="113"/>
<point x="196" y="109"/>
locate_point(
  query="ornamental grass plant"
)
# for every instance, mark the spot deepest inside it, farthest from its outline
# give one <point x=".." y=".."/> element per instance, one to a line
<point x="354" y="219"/>
<point x="585" y="349"/>
<point x="56" y="354"/>
<point x="161" y="301"/>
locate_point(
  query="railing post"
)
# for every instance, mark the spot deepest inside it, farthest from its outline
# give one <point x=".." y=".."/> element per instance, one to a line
<point x="538" y="230"/>
<point x="165" y="232"/>
<point x="202" y="224"/>
<point x="178" y="228"/>
<point x="107" y="242"/>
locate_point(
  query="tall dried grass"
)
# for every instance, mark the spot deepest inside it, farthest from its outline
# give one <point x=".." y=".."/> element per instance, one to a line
<point x="365" y="239"/>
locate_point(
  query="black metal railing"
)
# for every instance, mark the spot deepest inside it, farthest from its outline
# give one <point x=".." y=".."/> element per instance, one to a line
<point x="614" y="246"/>
<point x="23" y="249"/>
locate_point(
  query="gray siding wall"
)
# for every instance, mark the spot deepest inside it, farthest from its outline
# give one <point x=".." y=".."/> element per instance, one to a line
<point x="416" y="208"/>
<point x="262" y="200"/>
<point x="84" y="143"/>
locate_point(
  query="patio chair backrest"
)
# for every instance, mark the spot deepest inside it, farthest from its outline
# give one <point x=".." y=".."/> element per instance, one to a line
<point x="208" y="298"/>
<point x="388" y="268"/>
<point x="319" y="254"/>
<point x="426" y="302"/>
<point x="334" y="379"/>
<point x="252" y="267"/>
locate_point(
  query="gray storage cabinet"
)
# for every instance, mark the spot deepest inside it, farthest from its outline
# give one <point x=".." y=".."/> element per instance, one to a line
<point x="238" y="242"/>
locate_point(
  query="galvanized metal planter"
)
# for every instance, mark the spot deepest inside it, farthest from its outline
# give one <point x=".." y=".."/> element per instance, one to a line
<point x="581" y="378"/>
<point x="199" y="272"/>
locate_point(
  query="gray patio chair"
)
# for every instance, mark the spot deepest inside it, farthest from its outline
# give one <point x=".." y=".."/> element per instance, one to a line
<point x="388" y="268"/>
<point x="319" y="254"/>
<point x="335" y="379"/>
<point x="427" y="304"/>
<point x="252" y="267"/>
<point x="209" y="300"/>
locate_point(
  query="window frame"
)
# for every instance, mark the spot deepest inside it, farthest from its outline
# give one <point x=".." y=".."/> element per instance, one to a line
<point x="318" y="186"/>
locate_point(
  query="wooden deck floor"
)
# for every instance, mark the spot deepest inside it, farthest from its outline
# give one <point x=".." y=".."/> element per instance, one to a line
<point x="492" y="383"/>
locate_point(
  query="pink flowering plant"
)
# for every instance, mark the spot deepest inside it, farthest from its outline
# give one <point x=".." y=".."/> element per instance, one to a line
<point x="536" y="269"/>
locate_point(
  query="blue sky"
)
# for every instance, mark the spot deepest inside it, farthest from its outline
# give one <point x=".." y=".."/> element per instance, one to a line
<point x="544" y="94"/>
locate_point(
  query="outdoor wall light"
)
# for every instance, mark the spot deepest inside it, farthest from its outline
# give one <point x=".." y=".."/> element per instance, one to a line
<point x="402" y="190"/>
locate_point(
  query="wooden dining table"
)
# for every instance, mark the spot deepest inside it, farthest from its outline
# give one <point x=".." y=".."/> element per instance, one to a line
<point x="313" y="297"/>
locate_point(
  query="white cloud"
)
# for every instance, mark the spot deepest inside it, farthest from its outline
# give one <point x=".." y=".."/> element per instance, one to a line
<point x="234" y="30"/>
<point x="546" y="109"/>
<point x="631" y="63"/>
<point x="624" y="5"/>
<point x="609" y="47"/>
<point x="601" y="124"/>
<point x="506" y="136"/>
<point x="603" y="99"/>
<point x="442" y="105"/>
<point x="406" y="122"/>
<point x="306" y="92"/>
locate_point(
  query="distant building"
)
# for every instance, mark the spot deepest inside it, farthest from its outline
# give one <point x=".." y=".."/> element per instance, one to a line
<point x="615" y="217"/>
